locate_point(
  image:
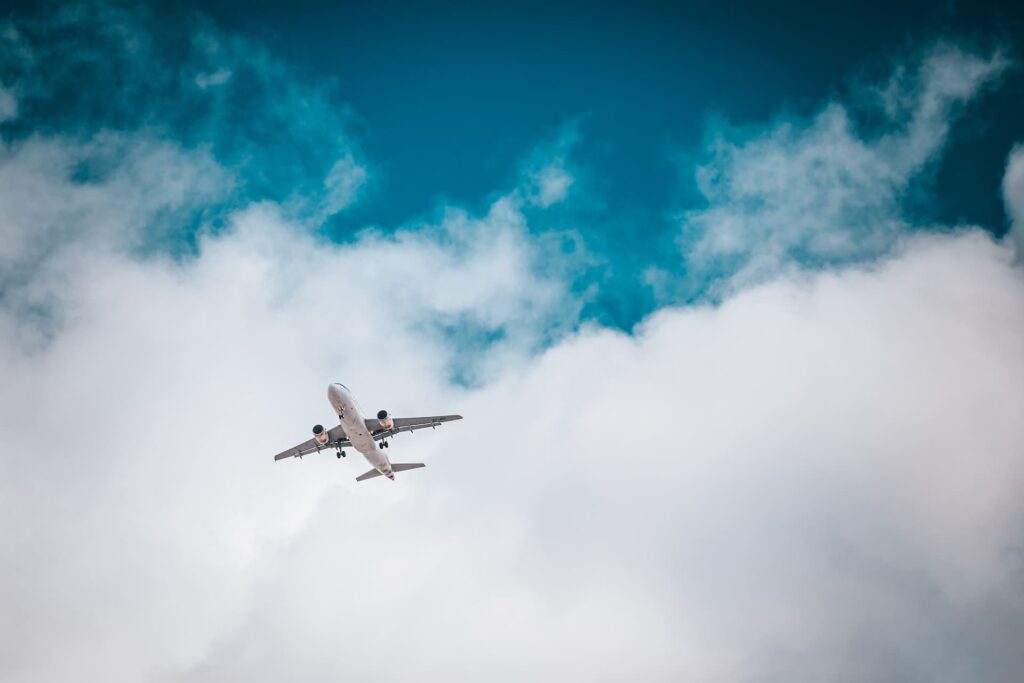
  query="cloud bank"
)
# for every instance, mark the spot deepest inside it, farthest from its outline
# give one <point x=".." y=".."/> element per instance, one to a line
<point x="821" y="476"/>
<point x="818" y="477"/>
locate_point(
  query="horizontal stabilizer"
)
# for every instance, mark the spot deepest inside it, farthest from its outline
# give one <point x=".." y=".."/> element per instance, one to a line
<point x="397" y="467"/>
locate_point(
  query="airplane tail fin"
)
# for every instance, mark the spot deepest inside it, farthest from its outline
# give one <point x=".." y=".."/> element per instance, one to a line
<point x="396" y="467"/>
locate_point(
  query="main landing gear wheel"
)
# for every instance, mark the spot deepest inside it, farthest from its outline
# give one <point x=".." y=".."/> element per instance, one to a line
<point x="341" y="454"/>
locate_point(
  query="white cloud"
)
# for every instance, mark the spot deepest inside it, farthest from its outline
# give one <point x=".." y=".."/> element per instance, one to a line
<point x="341" y="186"/>
<point x="822" y="190"/>
<point x="552" y="184"/>
<point x="821" y="475"/>
<point x="817" y="474"/>
<point x="214" y="78"/>
<point x="1013" y="197"/>
<point x="266" y="314"/>
<point x="124" y="190"/>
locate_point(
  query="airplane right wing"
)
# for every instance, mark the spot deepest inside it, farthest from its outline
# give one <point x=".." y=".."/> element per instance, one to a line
<point x="407" y="424"/>
<point x="335" y="439"/>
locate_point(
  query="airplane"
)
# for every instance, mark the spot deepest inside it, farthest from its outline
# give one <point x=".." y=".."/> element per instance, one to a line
<point x="369" y="436"/>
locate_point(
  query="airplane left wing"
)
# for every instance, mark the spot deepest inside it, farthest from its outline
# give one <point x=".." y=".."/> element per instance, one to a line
<point x="407" y="424"/>
<point x="335" y="439"/>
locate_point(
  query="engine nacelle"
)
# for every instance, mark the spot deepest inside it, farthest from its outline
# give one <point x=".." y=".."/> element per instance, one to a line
<point x="320" y="435"/>
<point x="385" y="420"/>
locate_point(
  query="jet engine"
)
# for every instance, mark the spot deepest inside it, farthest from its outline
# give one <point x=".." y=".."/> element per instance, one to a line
<point x="384" y="418"/>
<point x="320" y="435"/>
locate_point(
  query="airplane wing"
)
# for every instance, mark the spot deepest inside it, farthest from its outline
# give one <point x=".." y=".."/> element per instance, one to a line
<point x="335" y="439"/>
<point x="407" y="424"/>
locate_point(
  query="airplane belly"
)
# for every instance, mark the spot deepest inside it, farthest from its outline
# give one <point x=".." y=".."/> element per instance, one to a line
<point x="376" y="459"/>
<point x="372" y="454"/>
<point x="362" y="441"/>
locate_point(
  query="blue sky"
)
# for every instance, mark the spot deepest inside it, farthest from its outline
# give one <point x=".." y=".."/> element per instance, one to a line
<point x="476" y="85"/>
<point x="731" y="301"/>
<point x="450" y="98"/>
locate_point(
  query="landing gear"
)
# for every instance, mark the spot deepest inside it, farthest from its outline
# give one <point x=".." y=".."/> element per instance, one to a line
<point x="384" y="444"/>
<point x="341" y="454"/>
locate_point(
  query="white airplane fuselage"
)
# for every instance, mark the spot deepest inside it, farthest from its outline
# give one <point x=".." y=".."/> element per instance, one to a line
<point x="354" y="424"/>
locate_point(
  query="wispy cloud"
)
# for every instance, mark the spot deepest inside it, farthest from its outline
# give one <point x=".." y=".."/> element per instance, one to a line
<point x="132" y="191"/>
<point x="546" y="177"/>
<point x="828" y="189"/>
<point x="91" y="66"/>
<point x="1013" y="196"/>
